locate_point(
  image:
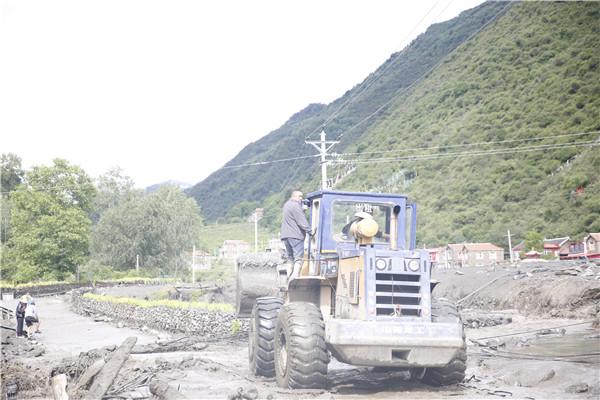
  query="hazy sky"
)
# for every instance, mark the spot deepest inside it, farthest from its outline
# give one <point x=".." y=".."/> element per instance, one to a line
<point x="174" y="89"/>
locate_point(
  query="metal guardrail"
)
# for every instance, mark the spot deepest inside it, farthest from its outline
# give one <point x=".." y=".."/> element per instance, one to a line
<point x="7" y="313"/>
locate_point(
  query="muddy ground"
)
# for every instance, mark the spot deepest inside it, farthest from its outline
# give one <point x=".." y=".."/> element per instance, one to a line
<point x="544" y="347"/>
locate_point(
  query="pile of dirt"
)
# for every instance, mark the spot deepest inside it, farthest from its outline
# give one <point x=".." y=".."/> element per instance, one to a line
<point x="559" y="289"/>
<point x="21" y="376"/>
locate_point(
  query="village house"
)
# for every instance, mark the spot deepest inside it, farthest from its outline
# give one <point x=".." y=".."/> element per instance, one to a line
<point x="467" y="255"/>
<point x="232" y="249"/>
<point x="556" y="247"/>
<point x="519" y="250"/>
<point x="592" y="245"/>
<point x="449" y="256"/>
<point x="476" y="254"/>
<point x="575" y="250"/>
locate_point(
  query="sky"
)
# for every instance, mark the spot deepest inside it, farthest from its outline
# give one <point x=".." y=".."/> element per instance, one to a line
<point x="172" y="90"/>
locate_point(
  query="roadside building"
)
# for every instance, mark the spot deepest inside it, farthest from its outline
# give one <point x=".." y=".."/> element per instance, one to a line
<point x="450" y="256"/>
<point x="532" y="255"/>
<point x="519" y="251"/>
<point x="434" y="254"/>
<point x="556" y="246"/>
<point x="478" y="254"/>
<point x="575" y="250"/>
<point x="592" y="245"/>
<point x="232" y="249"/>
<point x="469" y="255"/>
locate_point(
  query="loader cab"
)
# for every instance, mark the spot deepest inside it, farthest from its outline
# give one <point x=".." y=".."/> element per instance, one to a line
<point x="333" y="211"/>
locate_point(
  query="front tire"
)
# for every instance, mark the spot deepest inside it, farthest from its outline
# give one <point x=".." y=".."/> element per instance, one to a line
<point x="301" y="356"/>
<point x="261" y="337"/>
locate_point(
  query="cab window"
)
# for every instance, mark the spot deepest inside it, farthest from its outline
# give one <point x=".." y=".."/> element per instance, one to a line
<point x="344" y="214"/>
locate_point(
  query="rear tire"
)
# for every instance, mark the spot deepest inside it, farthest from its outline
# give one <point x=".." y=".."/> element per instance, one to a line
<point x="261" y="336"/>
<point x="443" y="310"/>
<point x="301" y="355"/>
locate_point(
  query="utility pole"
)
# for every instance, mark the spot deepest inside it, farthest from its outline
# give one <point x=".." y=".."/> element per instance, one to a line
<point x="323" y="146"/>
<point x="510" y="247"/>
<point x="255" y="232"/>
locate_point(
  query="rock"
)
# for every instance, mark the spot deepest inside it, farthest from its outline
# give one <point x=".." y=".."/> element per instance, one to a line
<point x="529" y="378"/>
<point x="120" y="325"/>
<point x="578" y="388"/>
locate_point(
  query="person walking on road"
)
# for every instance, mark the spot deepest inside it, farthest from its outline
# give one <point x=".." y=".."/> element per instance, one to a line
<point x="20" y="314"/>
<point x="294" y="227"/>
<point x="31" y="319"/>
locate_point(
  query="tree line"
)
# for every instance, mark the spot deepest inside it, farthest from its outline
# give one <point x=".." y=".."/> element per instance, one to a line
<point x="58" y="223"/>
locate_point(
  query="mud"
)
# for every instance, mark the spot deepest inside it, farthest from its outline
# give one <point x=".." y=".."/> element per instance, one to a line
<point x="518" y="347"/>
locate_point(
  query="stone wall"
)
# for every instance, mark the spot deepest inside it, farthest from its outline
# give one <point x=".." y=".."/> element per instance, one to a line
<point x="210" y="324"/>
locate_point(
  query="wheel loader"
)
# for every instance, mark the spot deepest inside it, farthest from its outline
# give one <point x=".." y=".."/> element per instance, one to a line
<point x="362" y="294"/>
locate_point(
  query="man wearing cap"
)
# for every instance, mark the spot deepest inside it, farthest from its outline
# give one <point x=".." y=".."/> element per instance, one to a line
<point x="294" y="227"/>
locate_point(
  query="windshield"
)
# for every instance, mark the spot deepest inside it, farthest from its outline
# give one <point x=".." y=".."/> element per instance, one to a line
<point x="344" y="214"/>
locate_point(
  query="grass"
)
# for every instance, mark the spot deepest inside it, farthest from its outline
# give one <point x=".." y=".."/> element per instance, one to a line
<point x="214" y="307"/>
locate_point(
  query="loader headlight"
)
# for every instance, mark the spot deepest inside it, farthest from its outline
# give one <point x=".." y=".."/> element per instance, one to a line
<point x="413" y="265"/>
<point x="380" y="264"/>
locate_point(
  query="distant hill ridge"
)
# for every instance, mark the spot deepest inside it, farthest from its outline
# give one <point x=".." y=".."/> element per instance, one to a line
<point x="531" y="73"/>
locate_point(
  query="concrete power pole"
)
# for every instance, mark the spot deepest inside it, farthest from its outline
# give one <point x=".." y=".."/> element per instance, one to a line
<point x="255" y="232"/>
<point x="323" y="146"/>
<point x="510" y="247"/>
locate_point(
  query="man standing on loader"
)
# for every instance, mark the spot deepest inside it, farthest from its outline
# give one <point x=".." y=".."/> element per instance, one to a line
<point x="294" y="227"/>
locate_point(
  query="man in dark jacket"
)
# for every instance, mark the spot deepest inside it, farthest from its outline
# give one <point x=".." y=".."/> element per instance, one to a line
<point x="294" y="227"/>
<point x="20" y="314"/>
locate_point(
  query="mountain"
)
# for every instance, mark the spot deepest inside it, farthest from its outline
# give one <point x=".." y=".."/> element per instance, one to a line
<point x="481" y="120"/>
<point x="171" y="182"/>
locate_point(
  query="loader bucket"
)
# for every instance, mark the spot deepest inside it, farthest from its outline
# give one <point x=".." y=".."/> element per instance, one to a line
<point x="256" y="276"/>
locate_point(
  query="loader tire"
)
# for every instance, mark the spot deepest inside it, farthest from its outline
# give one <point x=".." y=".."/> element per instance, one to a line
<point x="261" y="336"/>
<point x="443" y="310"/>
<point x="301" y="355"/>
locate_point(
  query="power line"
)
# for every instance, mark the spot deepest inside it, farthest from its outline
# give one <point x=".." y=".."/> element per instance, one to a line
<point x="359" y="92"/>
<point x="268" y="162"/>
<point x="472" y="154"/>
<point x="471" y="144"/>
<point x="404" y="90"/>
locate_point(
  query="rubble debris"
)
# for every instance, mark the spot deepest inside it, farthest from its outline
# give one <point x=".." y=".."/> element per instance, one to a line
<point x="89" y="374"/>
<point x="185" y="343"/>
<point x="107" y="375"/>
<point x="556" y="331"/>
<point x="529" y="378"/>
<point x="59" y="387"/>
<point x="480" y="320"/>
<point x="163" y="391"/>
<point x="244" y="394"/>
<point x="578" y="388"/>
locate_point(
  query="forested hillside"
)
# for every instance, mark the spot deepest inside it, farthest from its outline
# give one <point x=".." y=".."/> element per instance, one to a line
<point x="486" y="125"/>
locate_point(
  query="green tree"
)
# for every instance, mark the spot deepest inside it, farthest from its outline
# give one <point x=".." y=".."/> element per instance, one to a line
<point x="113" y="187"/>
<point x="158" y="227"/>
<point x="50" y="223"/>
<point x="11" y="175"/>
<point x="534" y="240"/>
